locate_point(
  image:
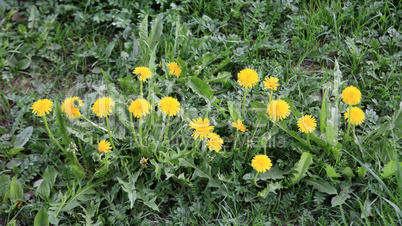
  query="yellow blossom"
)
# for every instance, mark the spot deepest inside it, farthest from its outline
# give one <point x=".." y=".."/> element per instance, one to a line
<point x="71" y="106"/>
<point x="201" y="128"/>
<point x="261" y="163"/>
<point x="239" y="125"/>
<point x="103" y="106"/>
<point x="247" y="78"/>
<point x="278" y="110"/>
<point x="144" y="73"/>
<point x="169" y="106"/>
<point x="271" y="83"/>
<point x="174" y="69"/>
<point x="42" y="107"/>
<point x="139" y="108"/>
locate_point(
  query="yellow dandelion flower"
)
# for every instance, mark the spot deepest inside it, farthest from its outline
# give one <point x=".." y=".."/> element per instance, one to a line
<point x="261" y="163"/>
<point x="307" y="124"/>
<point x="71" y="106"/>
<point x="356" y="116"/>
<point x="202" y="128"/>
<point x="214" y="142"/>
<point x="239" y="125"/>
<point x="104" y="146"/>
<point x="144" y="73"/>
<point x="103" y="106"/>
<point x="271" y="83"/>
<point x="42" y="107"/>
<point x="351" y="95"/>
<point x="174" y="69"/>
<point x="139" y="108"/>
<point x="247" y="78"/>
<point x="278" y="110"/>
<point x="169" y="106"/>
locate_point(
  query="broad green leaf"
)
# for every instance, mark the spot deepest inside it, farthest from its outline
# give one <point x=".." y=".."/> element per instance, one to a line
<point x="15" y="151"/>
<point x="33" y="16"/>
<point x="322" y="186"/>
<point x="50" y="174"/>
<point x="77" y="171"/>
<point x="348" y="171"/>
<point x="44" y="189"/>
<point x="331" y="172"/>
<point x="4" y="184"/>
<point x="23" y="137"/>
<point x="234" y="114"/>
<point x="390" y="169"/>
<point x="82" y="194"/>
<point x="272" y="187"/>
<point x="273" y="174"/>
<point x="207" y="59"/>
<point x="41" y="218"/>
<point x="200" y="87"/>
<point x="222" y="77"/>
<point x="130" y="187"/>
<point x="342" y="197"/>
<point x="16" y="191"/>
<point x="361" y="171"/>
<point x="145" y="47"/>
<point x="109" y="49"/>
<point x="305" y="161"/>
<point x="156" y="31"/>
<point x="24" y="64"/>
<point x="198" y="172"/>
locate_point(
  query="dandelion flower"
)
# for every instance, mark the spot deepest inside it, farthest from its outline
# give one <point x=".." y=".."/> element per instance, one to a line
<point x="278" y="110"/>
<point x="103" y="106"/>
<point x="174" y="69"/>
<point x="247" y="78"/>
<point x="42" y="107"/>
<point x="271" y="83"/>
<point x="351" y="95"/>
<point x="104" y="146"/>
<point x="307" y="124"/>
<point x="139" y="108"/>
<point x="239" y="125"/>
<point x="202" y="128"/>
<point x="71" y="106"/>
<point x="144" y="73"/>
<point x="214" y="142"/>
<point x="169" y="106"/>
<point x="356" y="116"/>
<point x="261" y="163"/>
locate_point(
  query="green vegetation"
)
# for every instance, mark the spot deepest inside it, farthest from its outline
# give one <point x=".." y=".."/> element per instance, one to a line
<point x="157" y="172"/>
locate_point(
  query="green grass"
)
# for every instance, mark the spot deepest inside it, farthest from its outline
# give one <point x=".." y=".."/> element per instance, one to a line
<point x="90" y="48"/>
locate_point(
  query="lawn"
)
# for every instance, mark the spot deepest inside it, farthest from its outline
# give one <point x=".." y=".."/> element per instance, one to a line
<point x="200" y="112"/>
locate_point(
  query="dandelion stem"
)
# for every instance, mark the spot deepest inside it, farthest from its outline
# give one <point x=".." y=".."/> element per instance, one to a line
<point x="244" y="103"/>
<point x="141" y="89"/>
<point x="270" y="97"/>
<point x="140" y="132"/>
<point x="82" y="151"/>
<point x="51" y="135"/>
<point x="347" y="133"/>
<point x="108" y="131"/>
<point x="132" y="125"/>
<point x="167" y="129"/>
<point x="308" y="141"/>
<point x="92" y="123"/>
<point x="235" y="142"/>
<point x="255" y="180"/>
